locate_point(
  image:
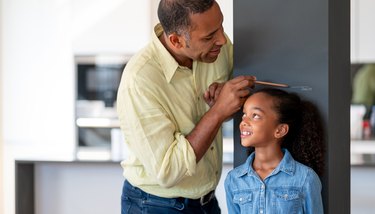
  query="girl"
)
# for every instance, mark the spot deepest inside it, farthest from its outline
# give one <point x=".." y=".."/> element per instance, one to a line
<point x="279" y="176"/>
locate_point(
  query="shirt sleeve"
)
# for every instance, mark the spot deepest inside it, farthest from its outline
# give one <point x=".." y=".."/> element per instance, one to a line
<point x="152" y="137"/>
<point x="313" y="198"/>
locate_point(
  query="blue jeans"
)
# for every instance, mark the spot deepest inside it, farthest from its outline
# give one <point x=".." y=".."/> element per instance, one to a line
<point x="136" y="201"/>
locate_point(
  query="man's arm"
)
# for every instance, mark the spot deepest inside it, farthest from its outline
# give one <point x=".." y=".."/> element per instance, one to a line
<point x="230" y="99"/>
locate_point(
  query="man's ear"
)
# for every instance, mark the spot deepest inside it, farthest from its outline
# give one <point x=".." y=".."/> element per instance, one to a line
<point x="281" y="130"/>
<point x="175" y="40"/>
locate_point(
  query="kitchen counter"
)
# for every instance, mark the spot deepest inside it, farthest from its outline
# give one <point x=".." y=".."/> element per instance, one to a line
<point x="36" y="176"/>
<point x="362" y="152"/>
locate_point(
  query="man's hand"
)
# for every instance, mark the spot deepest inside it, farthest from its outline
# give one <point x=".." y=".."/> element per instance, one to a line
<point x="232" y="95"/>
<point x="225" y="100"/>
<point x="211" y="94"/>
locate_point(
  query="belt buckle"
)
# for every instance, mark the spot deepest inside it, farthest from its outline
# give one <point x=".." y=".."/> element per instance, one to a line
<point x="209" y="196"/>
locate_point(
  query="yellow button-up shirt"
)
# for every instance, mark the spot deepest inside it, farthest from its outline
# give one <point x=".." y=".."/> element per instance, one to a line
<point x="158" y="104"/>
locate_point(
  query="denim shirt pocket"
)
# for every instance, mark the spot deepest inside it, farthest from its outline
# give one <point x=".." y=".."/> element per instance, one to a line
<point x="244" y="201"/>
<point x="288" y="201"/>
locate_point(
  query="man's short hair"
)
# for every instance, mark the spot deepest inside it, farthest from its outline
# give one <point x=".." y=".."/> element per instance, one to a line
<point x="174" y="15"/>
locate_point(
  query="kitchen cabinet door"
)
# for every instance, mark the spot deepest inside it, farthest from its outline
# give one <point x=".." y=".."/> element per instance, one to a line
<point x="362" y="31"/>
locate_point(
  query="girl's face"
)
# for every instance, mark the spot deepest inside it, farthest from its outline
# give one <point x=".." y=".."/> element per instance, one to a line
<point x="259" y="126"/>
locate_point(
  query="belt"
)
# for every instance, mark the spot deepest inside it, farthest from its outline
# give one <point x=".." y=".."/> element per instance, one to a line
<point x="202" y="200"/>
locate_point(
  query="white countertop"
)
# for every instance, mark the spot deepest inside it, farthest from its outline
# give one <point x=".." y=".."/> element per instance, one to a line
<point x="362" y="152"/>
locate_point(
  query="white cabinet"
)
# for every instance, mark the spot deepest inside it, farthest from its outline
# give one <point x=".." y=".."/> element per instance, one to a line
<point x="38" y="84"/>
<point x="362" y="31"/>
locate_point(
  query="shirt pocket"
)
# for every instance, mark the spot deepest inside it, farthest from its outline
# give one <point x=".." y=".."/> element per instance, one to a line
<point x="288" y="201"/>
<point x="245" y="201"/>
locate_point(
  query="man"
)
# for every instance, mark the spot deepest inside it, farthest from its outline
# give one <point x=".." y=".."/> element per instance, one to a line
<point x="171" y="102"/>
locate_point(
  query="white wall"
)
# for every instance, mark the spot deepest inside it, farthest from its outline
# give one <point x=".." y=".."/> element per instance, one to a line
<point x="227" y="8"/>
<point x="38" y="89"/>
<point x="110" y="27"/>
<point x="1" y="115"/>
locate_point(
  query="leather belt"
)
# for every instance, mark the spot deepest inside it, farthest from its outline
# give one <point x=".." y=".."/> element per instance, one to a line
<point x="202" y="200"/>
<point x="207" y="198"/>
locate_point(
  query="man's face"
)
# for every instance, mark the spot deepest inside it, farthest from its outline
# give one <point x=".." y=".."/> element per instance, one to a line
<point x="206" y="37"/>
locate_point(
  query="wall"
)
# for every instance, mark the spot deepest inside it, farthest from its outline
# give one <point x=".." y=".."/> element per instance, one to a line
<point x="109" y="27"/>
<point x="303" y="43"/>
<point x="1" y="114"/>
<point x="38" y="88"/>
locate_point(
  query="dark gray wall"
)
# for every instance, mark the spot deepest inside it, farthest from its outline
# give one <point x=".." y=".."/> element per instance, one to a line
<point x="303" y="43"/>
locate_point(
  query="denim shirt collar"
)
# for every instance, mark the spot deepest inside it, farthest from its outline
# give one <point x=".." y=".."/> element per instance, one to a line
<point x="286" y="165"/>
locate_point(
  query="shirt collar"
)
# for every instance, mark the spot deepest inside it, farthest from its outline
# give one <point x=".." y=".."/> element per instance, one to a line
<point x="286" y="165"/>
<point x="165" y="59"/>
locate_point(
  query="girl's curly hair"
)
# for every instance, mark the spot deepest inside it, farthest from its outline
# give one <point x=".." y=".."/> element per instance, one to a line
<point x="305" y="139"/>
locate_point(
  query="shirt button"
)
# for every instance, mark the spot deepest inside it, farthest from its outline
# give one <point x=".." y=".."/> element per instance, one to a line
<point x="262" y="186"/>
<point x="212" y="148"/>
<point x="261" y="211"/>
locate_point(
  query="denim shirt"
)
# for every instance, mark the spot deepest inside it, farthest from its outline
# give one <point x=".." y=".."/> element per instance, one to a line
<point x="291" y="188"/>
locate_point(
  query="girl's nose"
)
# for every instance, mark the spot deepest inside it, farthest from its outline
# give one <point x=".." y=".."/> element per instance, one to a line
<point x="243" y="123"/>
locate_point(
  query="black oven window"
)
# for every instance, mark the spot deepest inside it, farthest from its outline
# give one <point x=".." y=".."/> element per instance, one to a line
<point x="99" y="82"/>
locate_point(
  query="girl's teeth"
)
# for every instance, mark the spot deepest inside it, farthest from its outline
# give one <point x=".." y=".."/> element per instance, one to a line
<point x="245" y="133"/>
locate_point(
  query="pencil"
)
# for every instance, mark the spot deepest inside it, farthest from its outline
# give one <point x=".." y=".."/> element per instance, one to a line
<point x="272" y="84"/>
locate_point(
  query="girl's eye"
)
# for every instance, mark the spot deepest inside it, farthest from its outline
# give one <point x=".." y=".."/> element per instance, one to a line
<point x="255" y="116"/>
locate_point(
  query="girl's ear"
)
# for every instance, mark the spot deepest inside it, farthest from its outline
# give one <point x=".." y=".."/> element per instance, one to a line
<point x="282" y="130"/>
